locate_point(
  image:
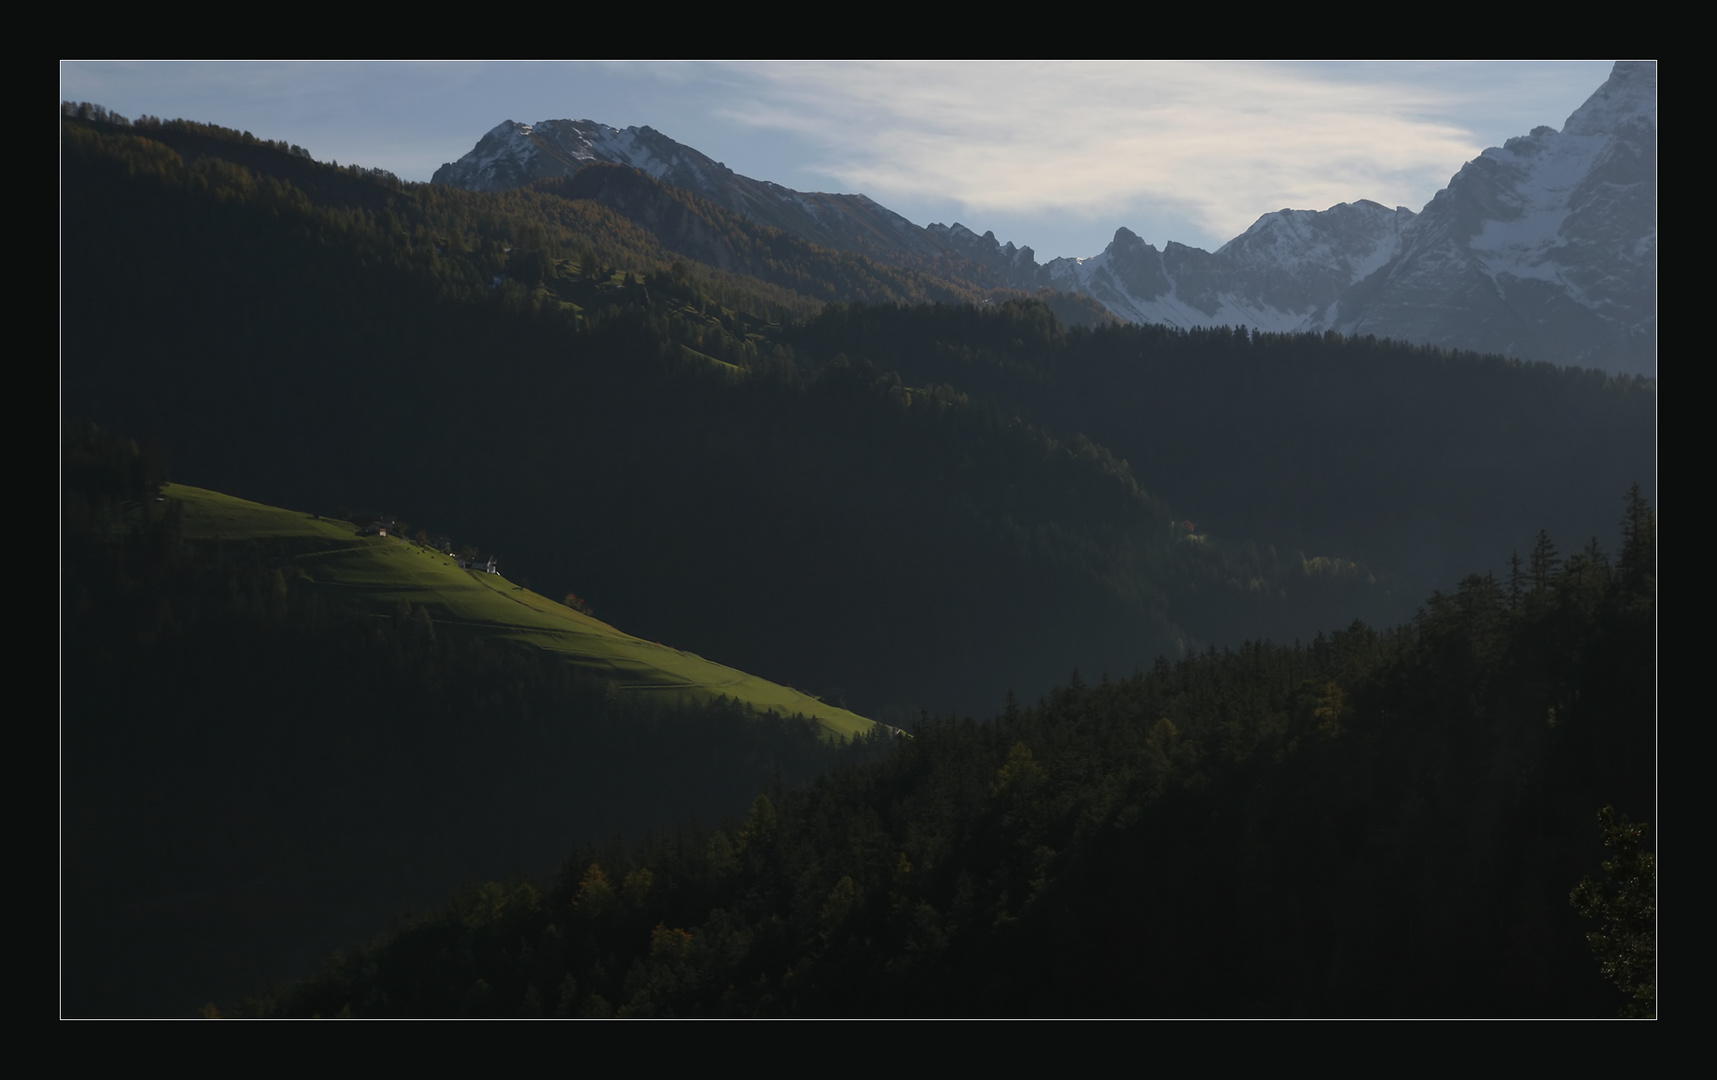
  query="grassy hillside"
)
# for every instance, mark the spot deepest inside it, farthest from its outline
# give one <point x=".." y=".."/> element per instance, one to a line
<point x="277" y="734"/>
<point x="379" y="573"/>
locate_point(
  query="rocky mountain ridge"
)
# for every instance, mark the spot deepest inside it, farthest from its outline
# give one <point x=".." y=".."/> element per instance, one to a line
<point x="1545" y="248"/>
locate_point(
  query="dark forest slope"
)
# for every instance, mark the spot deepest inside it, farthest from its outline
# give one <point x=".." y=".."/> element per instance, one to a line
<point x="1377" y="824"/>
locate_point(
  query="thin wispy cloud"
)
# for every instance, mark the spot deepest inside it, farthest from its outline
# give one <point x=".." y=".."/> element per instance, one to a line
<point x="1225" y="141"/>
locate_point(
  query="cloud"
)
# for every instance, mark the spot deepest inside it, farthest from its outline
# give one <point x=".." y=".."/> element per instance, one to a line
<point x="1224" y="142"/>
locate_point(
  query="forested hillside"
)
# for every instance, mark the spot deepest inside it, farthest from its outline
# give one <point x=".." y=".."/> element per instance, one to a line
<point x="1375" y="824"/>
<point x="1421" y="461"/>
<point x="641" y="441"/>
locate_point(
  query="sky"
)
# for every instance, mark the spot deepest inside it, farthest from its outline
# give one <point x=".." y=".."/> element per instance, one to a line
<point x="1054" y="156"/>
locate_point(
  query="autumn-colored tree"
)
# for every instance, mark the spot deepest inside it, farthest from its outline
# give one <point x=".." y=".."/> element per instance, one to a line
<point x="1625" y="906"/>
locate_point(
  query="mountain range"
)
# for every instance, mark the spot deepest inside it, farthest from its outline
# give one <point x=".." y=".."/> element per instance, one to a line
<point x="1543" y="249"/>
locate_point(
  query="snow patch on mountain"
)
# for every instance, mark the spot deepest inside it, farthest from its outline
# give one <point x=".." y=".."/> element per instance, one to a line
<point x="1543" y="248"/>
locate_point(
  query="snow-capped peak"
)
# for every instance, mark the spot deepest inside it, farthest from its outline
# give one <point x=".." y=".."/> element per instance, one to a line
<point x="1629" y="95"/>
